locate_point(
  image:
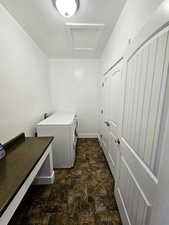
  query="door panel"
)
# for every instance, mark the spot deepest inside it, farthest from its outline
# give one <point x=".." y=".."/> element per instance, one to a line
<point x="115" y="85"/>
<point x="115" y="101"/>
<point x="146" y="71"/>
<point x="135" y="201"/>
<point x="112" y="116"/>
<point x="105" y="115"/>
<point x="102" y="126"/>
<point x="141" y="172"/>
<point x="142" y="105"/>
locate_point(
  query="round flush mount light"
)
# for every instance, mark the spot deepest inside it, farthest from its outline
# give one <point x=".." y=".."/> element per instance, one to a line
<point x="66" y="8"/>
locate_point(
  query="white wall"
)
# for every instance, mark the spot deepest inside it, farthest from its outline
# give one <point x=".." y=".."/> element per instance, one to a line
<point x="134" y="15"/>
<point x="24" y="94"/>
<point x="74" y="87"/>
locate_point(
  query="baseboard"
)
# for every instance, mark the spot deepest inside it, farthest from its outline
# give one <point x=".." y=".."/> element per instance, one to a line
<point x="44" y="180"/>
<point x="87" y="135"/>
<point x="99" y="139"/>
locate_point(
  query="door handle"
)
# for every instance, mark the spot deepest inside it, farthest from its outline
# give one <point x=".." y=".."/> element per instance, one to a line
<point x="107" y="123"/>
<point x="117" y="141"/>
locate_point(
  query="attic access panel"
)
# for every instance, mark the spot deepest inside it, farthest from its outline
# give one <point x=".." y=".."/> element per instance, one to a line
<point x="84" y="37"/>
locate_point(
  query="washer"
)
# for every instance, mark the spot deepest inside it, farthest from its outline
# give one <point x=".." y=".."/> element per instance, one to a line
<point x="63" y="127"/>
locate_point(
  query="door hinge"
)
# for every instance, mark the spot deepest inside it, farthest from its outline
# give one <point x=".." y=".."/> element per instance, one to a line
<point x="101" y="111"/>
<point x="102" y="84"/>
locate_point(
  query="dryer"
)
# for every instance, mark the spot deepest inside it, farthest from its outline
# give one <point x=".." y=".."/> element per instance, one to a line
<point x="63" y="127"/>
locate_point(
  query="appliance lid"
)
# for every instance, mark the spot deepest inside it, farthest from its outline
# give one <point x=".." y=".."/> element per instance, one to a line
<point x="59" y="118"/>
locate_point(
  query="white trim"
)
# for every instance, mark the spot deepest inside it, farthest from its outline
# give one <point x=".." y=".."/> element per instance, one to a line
<point x="121" y="206"/>
<point x="6" y="216"/>
<point x="88" y="135"/>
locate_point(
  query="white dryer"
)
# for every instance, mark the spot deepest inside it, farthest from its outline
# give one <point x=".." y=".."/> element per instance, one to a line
<point x="62" y="126"/>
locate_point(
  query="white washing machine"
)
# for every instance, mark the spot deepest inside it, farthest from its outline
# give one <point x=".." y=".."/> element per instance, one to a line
<point x="63" y="127"/>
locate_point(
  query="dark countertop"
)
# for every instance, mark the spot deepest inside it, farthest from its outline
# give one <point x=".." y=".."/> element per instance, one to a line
<point x="22" y="156"/>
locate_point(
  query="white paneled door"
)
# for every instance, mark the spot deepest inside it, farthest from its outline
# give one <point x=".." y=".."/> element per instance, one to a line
<point x="111" y="117"/>
<point x="145" y="108"/>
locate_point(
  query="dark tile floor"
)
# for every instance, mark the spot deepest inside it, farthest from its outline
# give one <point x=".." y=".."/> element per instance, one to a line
<point x="80" y="196"/>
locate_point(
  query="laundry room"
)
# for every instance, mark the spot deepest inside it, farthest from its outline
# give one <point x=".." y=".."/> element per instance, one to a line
<point x="84" y="119"/>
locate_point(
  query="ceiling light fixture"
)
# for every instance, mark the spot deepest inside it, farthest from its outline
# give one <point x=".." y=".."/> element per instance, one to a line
<point x="66" y="8"/>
